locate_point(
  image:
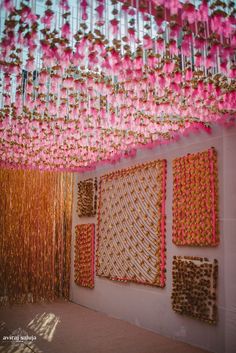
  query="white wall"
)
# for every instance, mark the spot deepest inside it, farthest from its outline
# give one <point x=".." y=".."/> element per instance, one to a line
<point x="150" y="307"/>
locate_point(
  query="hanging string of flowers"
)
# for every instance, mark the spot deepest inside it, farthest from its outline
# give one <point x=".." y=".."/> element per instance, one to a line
<point x="89" y="82"/>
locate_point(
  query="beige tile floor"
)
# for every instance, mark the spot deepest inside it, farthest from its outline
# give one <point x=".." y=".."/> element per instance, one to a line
<point x="65" y="327"/>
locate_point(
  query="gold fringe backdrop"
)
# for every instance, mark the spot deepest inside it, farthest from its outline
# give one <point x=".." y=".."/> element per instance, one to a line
<point x="35" y="235"/>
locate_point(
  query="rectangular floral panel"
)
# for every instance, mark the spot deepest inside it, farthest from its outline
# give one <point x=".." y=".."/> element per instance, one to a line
<point x="195" y="199"/>
<point x="194" y="287"/>
<point x="84" y="255"/>
<point x="131" y="224"/>
<point x="87" y="197"/>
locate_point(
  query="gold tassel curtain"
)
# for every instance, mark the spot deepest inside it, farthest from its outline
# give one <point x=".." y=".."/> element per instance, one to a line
<point x="35" y="235"/>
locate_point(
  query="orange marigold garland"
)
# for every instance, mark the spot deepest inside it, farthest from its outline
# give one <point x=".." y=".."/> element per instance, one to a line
<point x="131" y="224"/>
<point x="87" y="197"/>
<point x="194" y="287"/>
<point x="195" y="199"/>
<point x="84" y="255"/>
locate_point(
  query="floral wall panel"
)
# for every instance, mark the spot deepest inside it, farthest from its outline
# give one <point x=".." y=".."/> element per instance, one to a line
<point x="194" y="287"/>
<point x="87" y="197"/>
<point x="84" y="255"/>
<point x="131" y="224"/>
<point x="195" y="199"/>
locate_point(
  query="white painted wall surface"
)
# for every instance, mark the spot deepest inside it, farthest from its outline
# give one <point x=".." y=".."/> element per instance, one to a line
<point x="150" y="307"/>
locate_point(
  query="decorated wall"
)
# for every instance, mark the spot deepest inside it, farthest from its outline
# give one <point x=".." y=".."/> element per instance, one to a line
<point x="208" y="322"/>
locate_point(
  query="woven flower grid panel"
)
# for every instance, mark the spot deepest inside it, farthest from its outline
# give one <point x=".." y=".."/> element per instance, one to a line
<point x="131" y="224"/>
<point x="87" y="197"/>
<point x="195" y="199"/>
<point x="194" y="287"/>
<point x="84" y="255"/>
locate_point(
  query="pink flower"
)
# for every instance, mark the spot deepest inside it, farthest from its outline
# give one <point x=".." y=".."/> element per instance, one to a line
<point x="174" y="6"/>
<point x="126" y="62"/>
<point x="8" y="5"/>
<point x="173" y="47"/>
<point x="100" y="10"/>
<point x="25" y="12"/>
<point x="178" y="77"/>
<point x="227" y="28"/>
<point x="30" y="65"/>
<point x="77" y="59"/>
<point x="198" y="60"/>
<point x="223" y="67"/>
<point x="131" y="12"/>
<point x="43" y="77"/>
<point x="202" y="14"/>
<point x="152" y="78"/>
<point x="185" y="48"/>
<point x="210" y="61"/>
<point x="147" y="42"/>
<point x="138" y="63"/>
<point x="64" y="5"/>
<point x="232" y="73"/>
<point x="114" y="26"/>
<point x="189" y="13"/>
<point x="199" y="43"/>
<point x="131" y="34"/>
<point x="152" y="61"/>
<point x="65" y="57"/>
<point x="65" y="30"/>
<point x="92" y="59"/>
<point x="83" y="6"/>
<point x="47" y="18"/>
<point x="188" y="74"/>
<point x="160" y="45"/>
<point x="168" y="67"/>
<point x="174" y="30"/>
<point x="52" y="108"/>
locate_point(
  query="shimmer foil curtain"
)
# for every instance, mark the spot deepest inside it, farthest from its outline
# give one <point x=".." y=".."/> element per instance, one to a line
<point x="35" y="235"/>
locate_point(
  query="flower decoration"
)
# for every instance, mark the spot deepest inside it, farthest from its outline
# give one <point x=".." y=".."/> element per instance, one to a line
<point x="195" y="199"/>
<point x="131" y="224"/>
<point x="84" y="255"/>
<point x="87" y="198"/>
<point x="194" y="287"/>
<point x="105" y="84"/>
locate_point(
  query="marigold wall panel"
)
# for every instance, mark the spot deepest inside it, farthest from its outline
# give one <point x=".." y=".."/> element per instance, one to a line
<point x="195" y="199"/>
<point x="84" y="255"/>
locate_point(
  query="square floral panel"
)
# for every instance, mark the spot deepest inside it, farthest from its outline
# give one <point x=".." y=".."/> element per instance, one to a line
<point x="194" y="287"/>
<point x="131" y="224"/>
<point x="87" y="197"/>
<point x="195" y="199"/>
<point x="84" y="255"/>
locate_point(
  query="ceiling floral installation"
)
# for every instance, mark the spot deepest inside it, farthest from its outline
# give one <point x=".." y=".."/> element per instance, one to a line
<point x="88" y="82"/>
<point x="195" y="199"/>
<point x="194" y="287"/>
<point x="84" y="255"/>
<point x="87" y="197"/>
<point x="131" y="224"/>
